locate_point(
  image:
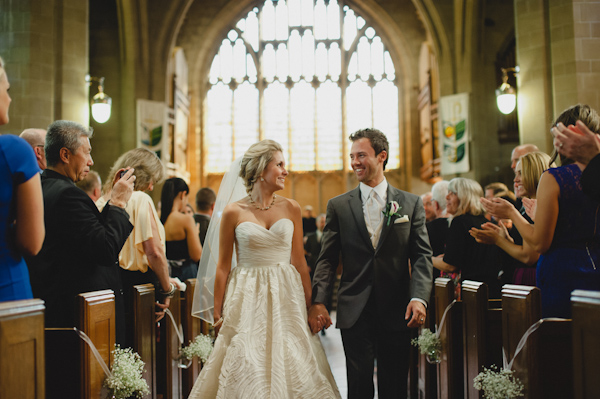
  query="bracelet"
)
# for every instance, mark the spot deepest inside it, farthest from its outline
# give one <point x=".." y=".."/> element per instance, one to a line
<point x="168" y="294"/>
<point x="218" y="323"/>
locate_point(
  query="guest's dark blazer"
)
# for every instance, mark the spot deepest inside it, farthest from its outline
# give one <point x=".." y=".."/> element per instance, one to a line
<point x="81" y="249"/>
<point x="382" y="271"/>
<point x="203" y="221"/>
<point x="590" y="179"/>
<point x="312" y="248"/>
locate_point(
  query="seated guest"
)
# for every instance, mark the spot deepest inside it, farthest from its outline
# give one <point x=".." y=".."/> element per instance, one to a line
<point x="91" y="185"/>
<point x="478" y="262"/>
<point x="205" y="205"/>
<point x="142" y="259"/>
<point x="181" y="231"/>
<point x="81" y="250"/>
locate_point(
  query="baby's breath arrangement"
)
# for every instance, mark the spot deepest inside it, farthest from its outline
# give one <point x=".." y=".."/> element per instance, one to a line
<point x="429" y="344"/>
<point x="200" y="347"/>
<point x="126" y="375"/>
<point x="498" y="384"/>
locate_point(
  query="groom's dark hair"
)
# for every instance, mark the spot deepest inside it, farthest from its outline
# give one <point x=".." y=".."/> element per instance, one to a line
<point x="378" y="141"/>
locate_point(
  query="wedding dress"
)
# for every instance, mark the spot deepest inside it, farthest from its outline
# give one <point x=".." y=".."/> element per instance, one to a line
<point x="265" y="348"/>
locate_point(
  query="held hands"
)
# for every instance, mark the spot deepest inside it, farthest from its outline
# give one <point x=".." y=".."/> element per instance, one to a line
<point x="576" y="142"/>
<point x="318" y="317"/>
<point x="122" y="187"/>
<point x="418" y="311"/>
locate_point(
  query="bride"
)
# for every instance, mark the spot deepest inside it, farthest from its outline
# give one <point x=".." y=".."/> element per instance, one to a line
<point x="265" y="347"/>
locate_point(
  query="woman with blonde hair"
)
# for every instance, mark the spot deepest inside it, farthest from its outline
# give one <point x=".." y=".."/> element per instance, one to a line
<point x="566" y="231"/>
<point x="265" y="348"/>
<point x="22" y="228"/>
<point x="528" y="171"/>
<point x="475" y="261"/>
<point x="142" y="258"/>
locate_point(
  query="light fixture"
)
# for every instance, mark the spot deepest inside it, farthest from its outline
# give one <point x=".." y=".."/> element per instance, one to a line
<point x="506" y="96"/>
<point x="101" y="103"/>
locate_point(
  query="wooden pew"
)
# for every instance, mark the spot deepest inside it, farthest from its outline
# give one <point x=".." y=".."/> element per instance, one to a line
<point x="192" y="327"/>
<point x="22" y="349"/>
<point x="143" y="328"/>
<point x="450" y="370"/>
<point x="585" y="306"/>
<point x="72" y="371"/>
<point x="168" y="373"/>
<point x="543" y="363"/>
<point x="482" y="326"/>
<point x="427" y="373"/>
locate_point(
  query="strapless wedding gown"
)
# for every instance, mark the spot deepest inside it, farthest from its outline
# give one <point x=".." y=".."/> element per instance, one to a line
<point x="265" y="348"/>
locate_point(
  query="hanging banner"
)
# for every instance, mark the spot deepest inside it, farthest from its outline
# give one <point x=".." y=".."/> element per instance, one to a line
<point x="152" y="127"/>
<point x="454" y="133"/>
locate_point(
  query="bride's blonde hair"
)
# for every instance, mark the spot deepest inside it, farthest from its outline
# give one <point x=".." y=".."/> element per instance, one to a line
<point x="255" y="161"/>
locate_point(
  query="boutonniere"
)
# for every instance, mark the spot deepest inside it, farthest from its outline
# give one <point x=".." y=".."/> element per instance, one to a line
<point x="391" y="209"/>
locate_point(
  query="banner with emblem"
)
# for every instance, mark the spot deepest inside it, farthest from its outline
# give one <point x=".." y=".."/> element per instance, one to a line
<point x="454" y="133"/>
<point x="153" y="127"/>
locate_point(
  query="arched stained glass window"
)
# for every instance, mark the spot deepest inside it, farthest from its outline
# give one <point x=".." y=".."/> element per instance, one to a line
<point x="286" y="71"/>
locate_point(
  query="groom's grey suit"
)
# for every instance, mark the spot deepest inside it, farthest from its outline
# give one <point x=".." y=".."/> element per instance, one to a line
<point x="377" y="283"/>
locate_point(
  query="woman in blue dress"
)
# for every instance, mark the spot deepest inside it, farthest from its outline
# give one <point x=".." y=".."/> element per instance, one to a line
<point x="566" y="230"/>
<point x="21" y="207"/>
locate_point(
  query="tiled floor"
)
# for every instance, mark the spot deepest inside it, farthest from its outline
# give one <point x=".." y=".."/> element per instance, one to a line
<point x="332" y="343"/>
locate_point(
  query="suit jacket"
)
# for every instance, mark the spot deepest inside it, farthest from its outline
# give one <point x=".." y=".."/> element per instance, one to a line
<point x="313" y="248"/>
<point x="204" y="221"/>
<point x="590" y="183"/>
<point x="381" y="272"/>
<point x="81" y="249"/>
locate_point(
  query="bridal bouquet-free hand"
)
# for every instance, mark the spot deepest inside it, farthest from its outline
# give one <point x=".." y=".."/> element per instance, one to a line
<point x="429" y="345"/>
<point x="200" y="347"/>
<point x="498" y="384"/>
<point x="391" y="209"/>
<point x="126" y="375"/>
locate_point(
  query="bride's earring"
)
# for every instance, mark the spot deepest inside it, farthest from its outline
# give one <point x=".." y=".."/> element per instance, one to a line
<point x="262" y="178"/>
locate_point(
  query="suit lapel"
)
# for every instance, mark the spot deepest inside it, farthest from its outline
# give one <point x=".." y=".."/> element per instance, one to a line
<point x="356" y="206"/>
<point x="393" y="194"/>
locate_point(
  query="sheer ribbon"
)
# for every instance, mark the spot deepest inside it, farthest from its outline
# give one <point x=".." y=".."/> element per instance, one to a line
<point x="232" y="189"/>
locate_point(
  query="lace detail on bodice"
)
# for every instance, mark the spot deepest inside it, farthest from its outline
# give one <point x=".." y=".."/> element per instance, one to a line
<point x="577" y="214"/>
<point x="258" y="246"/>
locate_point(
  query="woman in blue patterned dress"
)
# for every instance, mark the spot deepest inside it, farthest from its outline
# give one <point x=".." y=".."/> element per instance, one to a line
<point x="21" y="207"/>
<point x="566" y="230"/>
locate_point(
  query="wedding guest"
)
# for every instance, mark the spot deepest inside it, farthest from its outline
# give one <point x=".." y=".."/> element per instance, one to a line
<point x="82" y="245"/>
<point x="478" y="262"/>
<point x="36" y="139"/>
<point x="142" y="259"/>
<point x="309" y="223"/>
<point x="566" y="230"/>
<point x="205" y="205"/>
<point x="21" y="207"/>
<point x="182" y="232"/>
<point x="428" y="205"/>
<point x="91" y="185"/>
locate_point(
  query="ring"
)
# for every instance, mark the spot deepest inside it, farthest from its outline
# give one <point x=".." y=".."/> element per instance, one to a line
<point x="422" y="319"/>
<point x="560" y="145"/>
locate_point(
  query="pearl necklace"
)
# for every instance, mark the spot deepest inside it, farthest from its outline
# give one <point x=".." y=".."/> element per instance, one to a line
<point x="258" y="207"/>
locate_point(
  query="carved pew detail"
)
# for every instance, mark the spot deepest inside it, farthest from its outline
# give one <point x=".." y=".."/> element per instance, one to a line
<point x="22" y="349"/>
<point x="482" y="332"/>
<point x="585" y="307"/>
<point x="450" y="370"/>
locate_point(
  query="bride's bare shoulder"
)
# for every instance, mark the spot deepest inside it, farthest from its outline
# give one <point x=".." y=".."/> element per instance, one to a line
<point x="289" y="203"/>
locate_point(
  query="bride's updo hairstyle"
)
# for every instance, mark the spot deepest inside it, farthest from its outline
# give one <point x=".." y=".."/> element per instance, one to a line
<point x="255" y="161"/>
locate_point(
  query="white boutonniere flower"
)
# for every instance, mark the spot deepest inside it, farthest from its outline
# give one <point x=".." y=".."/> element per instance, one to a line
<point x="391" y="209"/>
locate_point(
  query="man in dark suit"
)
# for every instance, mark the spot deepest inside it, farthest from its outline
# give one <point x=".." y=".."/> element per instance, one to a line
<point x="312" y="244"/>
<point x="377" y="229"/>
<point x="82" y="245"/>
<point x="205" y="205"/>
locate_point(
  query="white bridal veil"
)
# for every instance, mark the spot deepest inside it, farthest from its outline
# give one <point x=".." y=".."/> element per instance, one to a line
<point x="232" y="189"/>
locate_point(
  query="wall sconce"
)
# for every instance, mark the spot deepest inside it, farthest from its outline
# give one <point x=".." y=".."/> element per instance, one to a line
<point x="101" y="103"/>
<point x="506" y="95"/>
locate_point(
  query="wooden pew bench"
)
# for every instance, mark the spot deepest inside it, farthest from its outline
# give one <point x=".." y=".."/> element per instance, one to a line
<point x="22" y="349"/>
<point x="585" y="308"/>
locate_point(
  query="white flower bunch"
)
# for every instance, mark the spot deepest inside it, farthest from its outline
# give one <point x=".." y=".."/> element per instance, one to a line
<point x="429" y="344"/>
<point x="126" y="375"/>
<point x="498" y="384"/>
<point x="201" y="346"/>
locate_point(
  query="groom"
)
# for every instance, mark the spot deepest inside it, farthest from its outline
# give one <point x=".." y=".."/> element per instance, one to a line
<point x="381" y="295"/>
